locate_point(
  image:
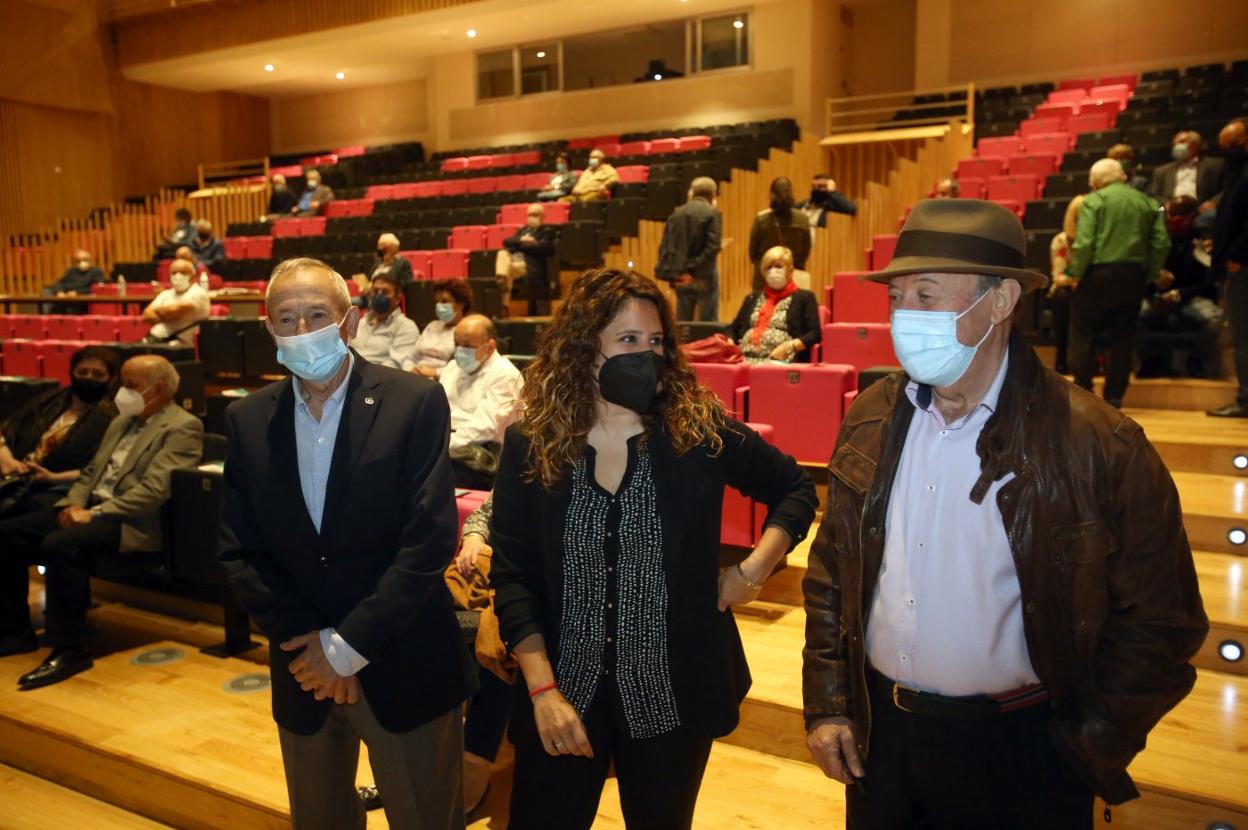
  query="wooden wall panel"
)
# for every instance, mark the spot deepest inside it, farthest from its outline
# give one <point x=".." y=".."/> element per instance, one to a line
<point x="53" y="55"/>
<point x="381" y="114"/>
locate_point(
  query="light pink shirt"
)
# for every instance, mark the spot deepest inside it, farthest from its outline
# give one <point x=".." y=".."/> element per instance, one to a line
<point x="947" y="613"/>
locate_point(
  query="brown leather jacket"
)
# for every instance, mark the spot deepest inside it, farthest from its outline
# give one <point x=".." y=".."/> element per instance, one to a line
<point x="1111" y="608"/>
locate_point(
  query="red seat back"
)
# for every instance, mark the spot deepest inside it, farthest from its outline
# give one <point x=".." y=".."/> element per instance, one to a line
<point x="454" y="165"/>
<point x="21" y="358"/>
<point x="980" y="168"/>
<point x="1090" y="122"/>
<point x="803" y="403"/>
<point x="54" y="358"/>
<point x="970" y="188"/>
<point x="730" y="383"/>
<point x="664" y="145"/>
<point x="1055" y="143"/>
<point x="695" y="142"/>
<point x="1036" y="126"/>
<point x="859" y="344"/>
<point x="30" y="326"/>
<point x="1039" y="165"/>
<point x="451" y="263"/>
<point x="556" y="213"/>
<point x="856" y="299"/>
<point x="63" y="327"/>
<point x="1014" y="188"/>
<point x="100" y="328"/>
<point x="1003" y="147"/>
<point x="634" y="174"/>
<point x="495" y="234"/>
<point x="882" y="247"/>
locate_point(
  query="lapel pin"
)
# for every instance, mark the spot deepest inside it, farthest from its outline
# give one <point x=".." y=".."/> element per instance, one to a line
<point x="369" y="400"/>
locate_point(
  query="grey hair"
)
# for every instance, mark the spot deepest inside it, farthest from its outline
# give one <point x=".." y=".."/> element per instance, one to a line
<point x="986" y="283"/>
<point x="703" y="186"/>
<point x="160" y="370"/>
<point x="955" y="187"/>
<point x="1104" y="172"/>
<point x="298" y="263"/>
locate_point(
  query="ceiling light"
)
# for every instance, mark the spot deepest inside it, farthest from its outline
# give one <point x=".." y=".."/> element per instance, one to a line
<point x="738" y="23"/>
<point x="630" y="262"/>
<point x="1240" y="461"/>
<point x="1237" y="536"/>
<point x="1231" y="651"/>
<point x="472" y="33"/>
<point x="342" y="76"/>
<point x="541" y="54"/>
<point x="268" y="67"/>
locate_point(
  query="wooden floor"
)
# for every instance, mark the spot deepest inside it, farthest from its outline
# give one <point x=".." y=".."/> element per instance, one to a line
<point x="133" y="745"/>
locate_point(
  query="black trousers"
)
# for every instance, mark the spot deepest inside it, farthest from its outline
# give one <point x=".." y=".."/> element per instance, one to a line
<point x="658" y="777"/>
<point x="488" y="712"/>
<point x="1106" y="302"/>
<point x="68" y="556"/>
<point x="992" y="773"/>
<point x="1059" y="305"/>
<point x="1237" y="311"/>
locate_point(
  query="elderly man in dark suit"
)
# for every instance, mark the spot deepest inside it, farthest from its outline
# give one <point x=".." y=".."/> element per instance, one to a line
<point x="339" y="520"/>
<point x="1190" y="174"/>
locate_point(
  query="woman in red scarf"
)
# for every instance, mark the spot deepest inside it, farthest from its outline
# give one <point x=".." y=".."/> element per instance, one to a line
<point x="781" y="322"/>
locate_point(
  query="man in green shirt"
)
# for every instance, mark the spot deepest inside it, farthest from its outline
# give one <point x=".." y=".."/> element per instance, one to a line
<point x="1120" y="246"/>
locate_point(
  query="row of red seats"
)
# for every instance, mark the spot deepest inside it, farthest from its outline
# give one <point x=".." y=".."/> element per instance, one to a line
<point x="349" y="207"/>
<point x="41" y="358"/>
<point x="109" y="328"/>
<point x="1129" y="80"/>
<point x="1011" y="146"/>
<point x="612" y="147"/>
<point x="1061" y="122"/>
<point x="1094" y="96"/>
<point x="490" y="162"/>
<point x="300" y="226"/>
<point x="630" y="174"/>
<point x="985" y="167"/>
<point x="248" y="247"/>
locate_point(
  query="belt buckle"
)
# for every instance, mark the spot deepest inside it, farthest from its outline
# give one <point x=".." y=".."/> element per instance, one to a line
<point x="897" y="688"/>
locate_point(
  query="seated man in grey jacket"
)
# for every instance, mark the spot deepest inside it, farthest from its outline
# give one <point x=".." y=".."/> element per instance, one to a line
<point x="113" y="507"/>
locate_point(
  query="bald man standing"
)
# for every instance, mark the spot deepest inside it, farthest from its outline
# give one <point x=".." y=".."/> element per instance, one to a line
<point x="113" y="506"/>
<point x="339" y="521"/>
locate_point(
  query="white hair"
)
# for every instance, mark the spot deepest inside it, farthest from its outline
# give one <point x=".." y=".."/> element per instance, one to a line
<point x="289" y="266"/>
<point x="1104" y="172"/>
<point x="388" y="239"/>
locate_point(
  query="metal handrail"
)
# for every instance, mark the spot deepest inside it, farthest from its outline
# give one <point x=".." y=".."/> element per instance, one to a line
<point x="865" y="109"/>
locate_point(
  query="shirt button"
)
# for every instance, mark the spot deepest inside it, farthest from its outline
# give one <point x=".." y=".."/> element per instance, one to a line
<point x="903" y="658"/>
<point x="931" y="488"/>
<point x="944" y="432"/>
<point x="1030" y="608"/>
<point x="610" y="604"/>
<point x="610" y="534"/>
<point x="610" y="569"/>
<point x="610" y="639"/>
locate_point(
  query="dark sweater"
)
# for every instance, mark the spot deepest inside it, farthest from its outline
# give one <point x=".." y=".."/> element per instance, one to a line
<point x="802" y="320"/>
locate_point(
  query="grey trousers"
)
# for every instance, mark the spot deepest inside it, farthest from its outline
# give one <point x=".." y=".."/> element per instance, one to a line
<point x="419" y="773"/>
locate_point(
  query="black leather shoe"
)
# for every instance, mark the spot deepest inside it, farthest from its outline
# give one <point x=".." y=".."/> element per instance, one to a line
<point x="61" y="664"/>
<point x="1231" y="410"/>
<point x="11" y="644"/>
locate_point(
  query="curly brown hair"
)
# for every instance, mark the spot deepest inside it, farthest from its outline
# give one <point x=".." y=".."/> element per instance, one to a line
<point x="560" y="393"/>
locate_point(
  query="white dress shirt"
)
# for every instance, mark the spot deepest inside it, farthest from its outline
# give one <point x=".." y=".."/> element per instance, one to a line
<point x="1185" y="179"/>
<point x="201" y="307"/>
<point x="946" y="616"/>
<point x="484" y="403"/>
<point x="435" y="347"/>
<point x="314" y="448"/>
<point x="389" y="342"/>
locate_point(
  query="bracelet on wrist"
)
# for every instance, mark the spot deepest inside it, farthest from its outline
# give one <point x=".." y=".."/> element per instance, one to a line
<point x="757" y="586"/>
<point x="546" y="687"/>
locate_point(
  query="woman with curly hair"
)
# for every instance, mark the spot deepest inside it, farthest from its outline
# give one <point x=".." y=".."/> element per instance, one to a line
<point x="606" y="536"/>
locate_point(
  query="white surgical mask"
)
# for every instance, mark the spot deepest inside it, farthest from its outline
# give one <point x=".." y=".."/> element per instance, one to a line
<point x="927" y="345"/>
<point x="180" y="282"/>
<point x="315" y="356"/>
<point x="593" y="162"/>
<point x="466" y="359"/>
<point x="130" y="401"/>
<point x="776" y="278"/>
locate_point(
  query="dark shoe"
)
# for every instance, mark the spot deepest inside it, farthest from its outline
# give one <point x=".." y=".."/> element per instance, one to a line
<point x="1231" y="410"/>
<point x="370" y="797"/>
<point x="61" y="664"/>
<point x="11" y="644"/>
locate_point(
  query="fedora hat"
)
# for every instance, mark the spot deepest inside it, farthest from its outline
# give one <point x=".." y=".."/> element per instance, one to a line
<point x="962" y="236"/>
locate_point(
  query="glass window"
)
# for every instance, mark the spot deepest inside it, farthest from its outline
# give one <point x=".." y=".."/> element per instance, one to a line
<point x="496" y="74"/>
<point x="624" y="56"/>
<point x="539" y="68"/>
<point x="725" y="41"/>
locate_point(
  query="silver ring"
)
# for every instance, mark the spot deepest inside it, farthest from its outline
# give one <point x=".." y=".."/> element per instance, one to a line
<point x="558" y="744"/>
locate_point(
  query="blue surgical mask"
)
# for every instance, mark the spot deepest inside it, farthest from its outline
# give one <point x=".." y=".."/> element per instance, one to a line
<point x="1180" y="152"/>
<point x="444" y="311"/>
<point x="927" y="345"/>
<point x="315" y="356"/>
<point x="466" y="359"/>
<point x="561" y="167"/>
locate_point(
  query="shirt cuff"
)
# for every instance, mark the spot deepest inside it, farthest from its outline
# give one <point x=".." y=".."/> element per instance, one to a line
<point x="345" y="660"/>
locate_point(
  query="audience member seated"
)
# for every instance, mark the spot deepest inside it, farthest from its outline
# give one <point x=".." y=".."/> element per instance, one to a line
<point x="781" y="322"/>
<point x="825" y="199"/>
<point x="208" y="250"/>
<point x="315" y="196"/>
<point x="77" y="279"/>
<point x="948" y="189"/>
<point x="779" y="225"/>
<point x="1185" y="296"/>
<point x="114" y="506"/>
<point x="561" y="183"/>
<point x="596" y="182"/>
<point x="182" y="234"/>
<point x="385" y="335"/>
<point x="282" y="200"/>
<point x="435" y="347"/>
<point x="483" y="389"/>
<point x="45" y="443"/>
<point x="388" y="261"/>
<point x="535" y="243"/>
<point x="187" y="254"/>
<point x="175" y="312"/>
<point x="1190" y="174"/>
<point x="1124" y="154"/>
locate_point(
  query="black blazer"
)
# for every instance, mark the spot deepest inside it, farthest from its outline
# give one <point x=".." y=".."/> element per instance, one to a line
<point x="1208" y="180"/>
<point x="537" y="256"/>
<point x="374" y="572"/>
<point x="802" y="320"/>
<point x="709" y="674"/>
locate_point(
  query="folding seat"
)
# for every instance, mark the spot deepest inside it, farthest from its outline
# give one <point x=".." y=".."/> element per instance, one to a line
<point x="1094" y="105"/>
<point x="1054" y="143"/>
<point x="511" y="184"/>
<point x="98" y="328"/>
<point x="259" y="247"/>
<point x="30" y="326"/>
<point x="1057" y="109"/>
<point x="350" y="152"/>
<point x="131" y="329"/>
<point x="556" y="213"/>
<point x="1012" y="205"/>
<point x="419" y="260"/>
<point x="1039" y="126"/>
<point x="862" y="345"/>
<point x="882" y="247"/>
<point x="513" y="214"/>
<point x="1068" y="95"/>
<point x="1013" y="188"/>
<point x="478" y="162"/>
<point x="536" y="181"/>
<point x="454" y="187"/>
<point x="312" y="226"/>
<point x="1129" y="81"/>
<point x="825" y="315"/>
<point x="580" y="144"/>
<point x="690" y="143"/>
<point x="856" y="299"/>
<point x="449" y="263"/>
<point x="1116" y="92"/>
<point x="454" y="165"/>
<point x="335" y="209"/>
<point x="980" y="168"/>
<point x="285" y="228"/>
<point x="664" y="145"/>
<point x="804" y="404"/>
<point x="54" y="358"/>
<point x="365" y="207"/>
<point x="502" y="160"/>
<point x="604" y="141"/>
<point x="379" y="191"/>
<point x="1090" y="123"/>
<point x="1039" y="165"/>
<point x="62" y="327"/>
<point x="236" y="246"/>
<point x="634" y="174"/>
<point x="495" y="234"/>
<point x="6" y="325"/>
<point x="423" y="190"/>
<point x="482" y="184"/>
<point x="526" y="158"/>
<point x="741" y="518"/>
<point x="729" y="381"/>
<point x="1002" y="147"/>
<point x="21" y="358"/>
<point x="609" y="149"/>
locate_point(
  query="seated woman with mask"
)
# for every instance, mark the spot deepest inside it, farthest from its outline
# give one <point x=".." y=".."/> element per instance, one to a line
<point x="781" y="322"/>
<point x="436" y="345"/>
<point x="46" y="442"/>
<point x="386" y="337"/>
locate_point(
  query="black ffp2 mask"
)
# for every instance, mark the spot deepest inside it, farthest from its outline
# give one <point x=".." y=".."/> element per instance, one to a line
<point x="88" y="390"/>
<point x="630" y="380"/>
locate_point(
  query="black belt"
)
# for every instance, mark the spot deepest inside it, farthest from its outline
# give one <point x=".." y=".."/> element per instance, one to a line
<point x="932" y="705"/>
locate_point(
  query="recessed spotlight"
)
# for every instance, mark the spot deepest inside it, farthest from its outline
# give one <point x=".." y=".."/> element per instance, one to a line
<point x="268" y="67"/>
<point x="342" y="76"/>
<point x="541" y="54"/>
<point x="1240" y="461"/>
<point x="630" y="263"/>
<point x="738" y="23"/>
<point x="472" y="33"/>
<point x="1231" y="651"/>
<point x="41" y="569"/>
<point x="1237" y="536"/>
<point x="657" y="76"/>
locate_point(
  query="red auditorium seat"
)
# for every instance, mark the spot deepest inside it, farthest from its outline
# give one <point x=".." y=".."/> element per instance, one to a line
<point x="742" y="518"/>
<point x="236" y="246"/>
<point x="502" y="160"/>
<point x="311" y="225"/>
<point x="882" y="247"/>
<point x="21" y="358"/>
<point x="424" y="190"/>
<point x="825" y="315"/>
<point x="1013" y="206"/>
<point x="380" y="191"/>
<point x="1055" y="143"/>
<point x="1013" y="188"/>
<point x="495" y="234"/>
<point x="1129" y="81"/>
<point x="482" y="184"/>
<point x="54" y="358"/>
<point x="1003" y="147"/>
<point x="690" y="143"/>
<point x="1075" y="83"/>
<point x="259" y="247"/>
<point x="1068" y="94"/>
<point x="513" y="214"/>
<point x="980" y="168"/>
<point x="859" y="344"/>
<point x="526" y="157"/>
<point x="131" y="329"/>
<point x="635" y="148"/>
<point x="62" y="327"/>
<point x="1090" y="122"/>
<point x="335" y="209"/>
<point x="634" y="174"/>
<point x="284" y="228"/>
<point x="536" y="181"/>
<point x="609" y="149"/>
<point x="348" y="152"/>
<point x="451" y="263"/>
<point x="970" y="188"/>
<point x="856" y="299"/>
<point x="604" y="140"/>
<point x="6" y="325"/>
<point x="664" y="145"/>
<point x="556" y="213"/>
<point x="850" y="397"/>
<point x="511" y="183"/>
<point x="803" y="403"/>
<point x="454" y="187"/>
<point x="729" y="381"/>
<point x="1115" y="92"/>
<point x="1039" y="165"/>
<point x="419" y="260"/>
<point x="454" y="165"/>
<point x="1037" y="126"/>
<point x="30" y="326"/>
<point x="100" y="328"/>
<point x="1095" y="105"/>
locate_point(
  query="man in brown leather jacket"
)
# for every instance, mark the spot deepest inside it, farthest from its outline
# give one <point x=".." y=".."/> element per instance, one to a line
<point x="1001" y="600"/>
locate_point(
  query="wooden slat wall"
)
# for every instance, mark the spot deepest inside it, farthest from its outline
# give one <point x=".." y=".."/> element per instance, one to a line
<point x="914" y="167"/>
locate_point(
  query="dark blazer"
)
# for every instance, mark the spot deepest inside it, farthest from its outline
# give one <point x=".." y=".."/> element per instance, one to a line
<point x="837" y="203"/>
<point x="26" y="426"/>
<point x="709" y="673"/>
<point x="1230" y="230"/>
<point x="374" y="572"/>
<point x="1208" y="180"/>
<point x="802" y="320"/>
<point x="769" y="230"/>
<point x="536" y="257"/>
<point x="400" y="269"/>
<point x="691" y="241"/>
<point x="80" y="281"/>
<point x="281" y="201"/>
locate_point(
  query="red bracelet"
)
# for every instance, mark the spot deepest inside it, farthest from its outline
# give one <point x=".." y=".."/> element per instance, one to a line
<point x="540" y="689"/>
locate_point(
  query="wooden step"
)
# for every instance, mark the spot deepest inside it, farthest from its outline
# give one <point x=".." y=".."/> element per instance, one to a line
<point x="1222" y="588"/>
<point x="1174" y="393"/>
<point x="1215" y="511"/>
<point x="31" y="803"/>
<point x="1192" y="442"/>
